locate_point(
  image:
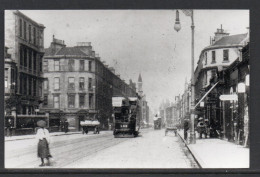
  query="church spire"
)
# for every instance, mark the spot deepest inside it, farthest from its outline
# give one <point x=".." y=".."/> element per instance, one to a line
<point x="140" y="85"/>
<point x="140" y="78"/>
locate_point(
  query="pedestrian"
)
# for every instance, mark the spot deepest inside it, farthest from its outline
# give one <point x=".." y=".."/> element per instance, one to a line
<point x="43" y="138"/>
<point x="9" y="128"/>
<point x="66" y="126"/>
<point x="186" y="128"/>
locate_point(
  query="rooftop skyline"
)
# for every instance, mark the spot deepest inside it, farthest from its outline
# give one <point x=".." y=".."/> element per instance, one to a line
<point x="142" y="41"/>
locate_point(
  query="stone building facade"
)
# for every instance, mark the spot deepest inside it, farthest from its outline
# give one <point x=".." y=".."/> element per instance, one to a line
<point x="24" y="38"/>
<point x="214" y="59"/>
<point x="79" y="86"/>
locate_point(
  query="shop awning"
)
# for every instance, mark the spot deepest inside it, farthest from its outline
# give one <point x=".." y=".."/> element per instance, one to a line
<point x="206" y="94"/>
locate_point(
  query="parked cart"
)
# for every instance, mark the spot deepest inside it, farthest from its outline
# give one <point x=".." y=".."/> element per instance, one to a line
<point x="171" y="129"/>
<point x="90" y="125"/>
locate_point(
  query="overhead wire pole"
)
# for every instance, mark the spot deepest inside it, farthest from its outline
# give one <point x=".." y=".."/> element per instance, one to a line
<point x="177" y="27"/>
<point x="192" y="117"/>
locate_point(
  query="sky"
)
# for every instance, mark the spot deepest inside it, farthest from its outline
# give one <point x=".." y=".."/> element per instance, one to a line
<point x="142" y="41"/>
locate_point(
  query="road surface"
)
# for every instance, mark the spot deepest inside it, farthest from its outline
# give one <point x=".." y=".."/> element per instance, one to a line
<point x="152" y="149"/>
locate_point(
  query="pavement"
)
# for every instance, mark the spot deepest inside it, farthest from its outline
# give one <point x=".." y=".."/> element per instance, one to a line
<point x="217" y="153"/>
<point x="32" y="136"/>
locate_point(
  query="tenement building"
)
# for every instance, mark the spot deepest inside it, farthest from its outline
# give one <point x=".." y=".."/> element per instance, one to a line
<point x="223" y="50"/>
<point x="79" y="86"/>
<point x="24" y="38"/>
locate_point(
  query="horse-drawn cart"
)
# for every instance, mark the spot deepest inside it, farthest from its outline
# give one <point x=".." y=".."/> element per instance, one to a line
<point x="90" y="125"/>
<point x="171" y="129"/>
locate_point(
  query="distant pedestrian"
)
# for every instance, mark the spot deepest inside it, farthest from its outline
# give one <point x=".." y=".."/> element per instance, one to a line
<point x="9" y="128"/>
<point x="43" y="138"/>
<point x="66" y="126"/>
<point x="186" y="128"/>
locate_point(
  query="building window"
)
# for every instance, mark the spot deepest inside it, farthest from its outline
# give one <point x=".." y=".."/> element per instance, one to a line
<point x="34" y="60"/>
<point x="25" y="57"/>
<point x="71" y="83"/>
<point x="71" y="101"/>
<point x="56" y="65"/>
<point x="45" y="100"/>
<point x="81" y="101"/>
<point x="71" y="65"/>
<point x="81" y="65"/>
<point x="56" y="101"/>
<point x="225" y="55"/>
<point x="206" y="58"/>
<point x="20" y="27"/>
<point x="24" y="30"/>
<point x="34" y="36"/>
<point x="90" y="100"/>
<point x="213" y="57"/>
<point x="6" y="82"/>
<point x="56" y="83"/>
<point x="30" y="86"/>
<point x="90" y="83"/>
<point x="89" y="65"/>
<point x="34" y="87"/>
<point x="45" y="84"/>
<point x="30" y="59"/>
<point x="30" y="33"/>
<point x="25" y="85"/>
<point x="45" y="66"/>
<point x="21" y="55"/>
<point x="81" y="83"/>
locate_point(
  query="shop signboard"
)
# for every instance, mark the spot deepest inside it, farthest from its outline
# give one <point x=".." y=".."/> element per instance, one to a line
<point x="228" y="97"/>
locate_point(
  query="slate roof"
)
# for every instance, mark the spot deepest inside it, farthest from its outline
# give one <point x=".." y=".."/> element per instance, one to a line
<point x="70" y="51"/>
<point x="230" y="40"/>
<point x="65" y="51"/>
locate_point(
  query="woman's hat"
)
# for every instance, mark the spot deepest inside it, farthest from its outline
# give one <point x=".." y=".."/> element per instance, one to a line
<point x="41" y="123"/>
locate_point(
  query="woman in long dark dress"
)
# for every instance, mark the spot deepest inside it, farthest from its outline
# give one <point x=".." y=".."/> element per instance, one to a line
<point x="43" y="138"/>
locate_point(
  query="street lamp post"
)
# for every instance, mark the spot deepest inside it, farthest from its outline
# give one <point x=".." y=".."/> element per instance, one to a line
<point x="177" y="27"/>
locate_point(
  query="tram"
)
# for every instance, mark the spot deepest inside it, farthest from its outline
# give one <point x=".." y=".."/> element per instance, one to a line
<point x="157" y="122"/>
<point x="126" y="116"/>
